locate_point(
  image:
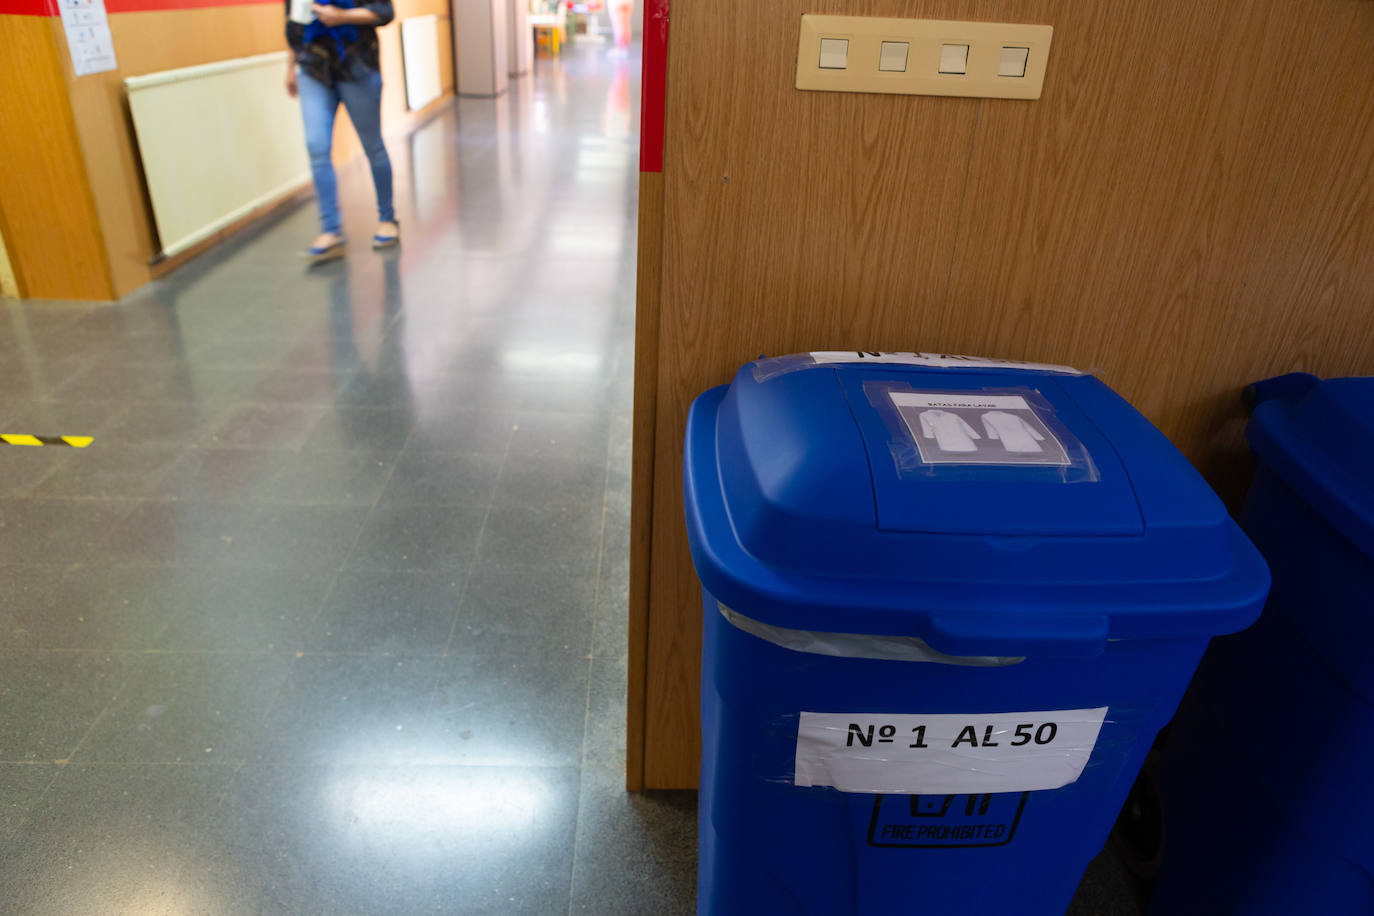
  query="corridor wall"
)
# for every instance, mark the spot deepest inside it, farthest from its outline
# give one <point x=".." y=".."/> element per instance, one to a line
<point x="84" y="167"/>
<point x="1189" y="207"/>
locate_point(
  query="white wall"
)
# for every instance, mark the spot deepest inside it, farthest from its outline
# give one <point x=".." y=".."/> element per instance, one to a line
<point x="479" y="46"/>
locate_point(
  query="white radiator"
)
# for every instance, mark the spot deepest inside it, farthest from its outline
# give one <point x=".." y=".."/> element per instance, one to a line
<point x="420" y="56"/>
<point x="217" y="141"/>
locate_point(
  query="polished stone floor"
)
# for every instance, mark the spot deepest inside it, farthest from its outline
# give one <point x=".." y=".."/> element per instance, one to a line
<point x="330" y="617"/>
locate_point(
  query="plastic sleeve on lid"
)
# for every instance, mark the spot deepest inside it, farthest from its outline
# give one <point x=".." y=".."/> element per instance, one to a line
<point x="859" y="645"/>
<point x="959" y="434"/>
<point x="766" y="368"/>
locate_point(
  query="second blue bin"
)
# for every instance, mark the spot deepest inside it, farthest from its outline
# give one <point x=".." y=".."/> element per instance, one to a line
<point x="1267" y="779"/>
<point x="948" y="605"/>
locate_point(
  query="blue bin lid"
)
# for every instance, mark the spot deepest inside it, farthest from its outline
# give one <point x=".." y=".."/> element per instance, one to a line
<point x="1319" y="437"/>
<point x="819" y="498"/>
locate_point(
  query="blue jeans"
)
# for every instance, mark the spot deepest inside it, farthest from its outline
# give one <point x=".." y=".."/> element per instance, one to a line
<point x="363" y="100"/>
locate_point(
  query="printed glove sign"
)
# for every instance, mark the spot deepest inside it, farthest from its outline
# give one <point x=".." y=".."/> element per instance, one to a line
<point x="944" y="425"/>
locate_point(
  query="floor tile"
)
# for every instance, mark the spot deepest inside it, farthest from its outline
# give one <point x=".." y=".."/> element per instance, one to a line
<point x="168" y="534"/>
<point x="509" y="701"/>
<point x="21" y="785"/>
<point x="634" y="886"/>
<point x="361" y="428"/>
<point x="125" y="383"/>
<point x="24" y="468"/>
<point x="222" y="385"/>
<point x="351" y="709"/>
<point x="658" y="826"/>
<point x="48" y="700"/>
<point x="390" y="391"/>
<point x="266" y="426"/>
<point x="165" y="424"/>
<point x="118" y="839"/>
<point x="419" y="538"/>
<point x="548" y="538"/>
<point x="449" y="426"/>
<point x="563" y="435"/>
<point x="303" y="537"/>
<point x="328" y="478"/>
<point x="187" y="708"/>
<point x="396" y="613"/>
<point x="241" y="352"/>
<point x="90" y="607"/>
<point x="509" y="601"/>
<point x="238" y="609"/>
<point x="443" y="479"/>
<point x="573" y="482"/>
<point x="604" y="746"/>
<point x="111" y="472"/>
<point x="233" y="475"/>
<point x="401" y="839"/>
<point x="282" y="386"/>
<point x="55" y="531"/>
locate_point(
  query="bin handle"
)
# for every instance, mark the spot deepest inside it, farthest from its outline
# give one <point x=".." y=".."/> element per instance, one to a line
<point x="1291" y="385"/>
<point x="1063" y="635"/>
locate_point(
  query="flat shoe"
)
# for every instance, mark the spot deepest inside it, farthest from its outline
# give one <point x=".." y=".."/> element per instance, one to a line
<point x="321" y="253"/>
<point x="385" y="241"/>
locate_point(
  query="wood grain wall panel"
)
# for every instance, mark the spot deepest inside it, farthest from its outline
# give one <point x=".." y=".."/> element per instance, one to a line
<point x="47" y="213"/>
<point x="1136" y="220"/>
<point x="648" y="283"/>
<point x="156" y="40"/>
<point x="1189" y="207"/>
<point x="790" y="219"/>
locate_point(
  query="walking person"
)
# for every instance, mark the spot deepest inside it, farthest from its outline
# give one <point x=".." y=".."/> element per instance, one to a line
<point x="334" y="60"/>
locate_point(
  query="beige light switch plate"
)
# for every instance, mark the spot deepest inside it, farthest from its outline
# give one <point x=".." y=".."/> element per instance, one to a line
<point x="926" y="37"/>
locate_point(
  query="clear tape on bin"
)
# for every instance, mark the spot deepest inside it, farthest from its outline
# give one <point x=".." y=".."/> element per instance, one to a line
<point x="859" y="645"/>
<point x="769" y="367"/>
<point x="959" y="433"/>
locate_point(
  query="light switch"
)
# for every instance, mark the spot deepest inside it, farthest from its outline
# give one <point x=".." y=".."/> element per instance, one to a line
<point x="953" y="59"/>
<point x="892" y="56"/>
<point x="990" y="60"/>
<point x="1013" y="62"/>
<point x="834" y="53"/>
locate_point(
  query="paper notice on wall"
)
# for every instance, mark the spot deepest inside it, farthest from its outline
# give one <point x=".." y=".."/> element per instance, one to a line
<point x="934" y="361"/>
<point x="953" y="754"/>
<point x="88" y="35"/>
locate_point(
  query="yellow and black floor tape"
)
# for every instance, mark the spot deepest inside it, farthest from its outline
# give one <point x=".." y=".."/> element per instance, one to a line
<point x="23" y="439"/>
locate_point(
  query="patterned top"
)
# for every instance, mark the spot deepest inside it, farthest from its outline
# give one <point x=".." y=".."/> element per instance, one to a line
<point x="320" y="57"/>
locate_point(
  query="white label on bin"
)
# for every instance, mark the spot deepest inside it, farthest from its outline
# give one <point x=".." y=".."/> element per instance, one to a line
<point x="934" y="361"/>
<point x="945" y="754"/>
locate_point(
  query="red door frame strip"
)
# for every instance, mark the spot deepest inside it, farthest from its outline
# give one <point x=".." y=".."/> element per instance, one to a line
<point x="653" y="86"/>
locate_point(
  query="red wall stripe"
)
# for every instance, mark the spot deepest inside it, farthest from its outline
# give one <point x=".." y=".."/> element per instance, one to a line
<point x="28" y="8"/>
<point x="653" y="86"/>
<point x="49" y="7"/>
<point x="143" y="6"/>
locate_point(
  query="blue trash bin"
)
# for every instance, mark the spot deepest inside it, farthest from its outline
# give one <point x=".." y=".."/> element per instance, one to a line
<point x="1266" y="777"/>
<point x="948" y="604"/>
